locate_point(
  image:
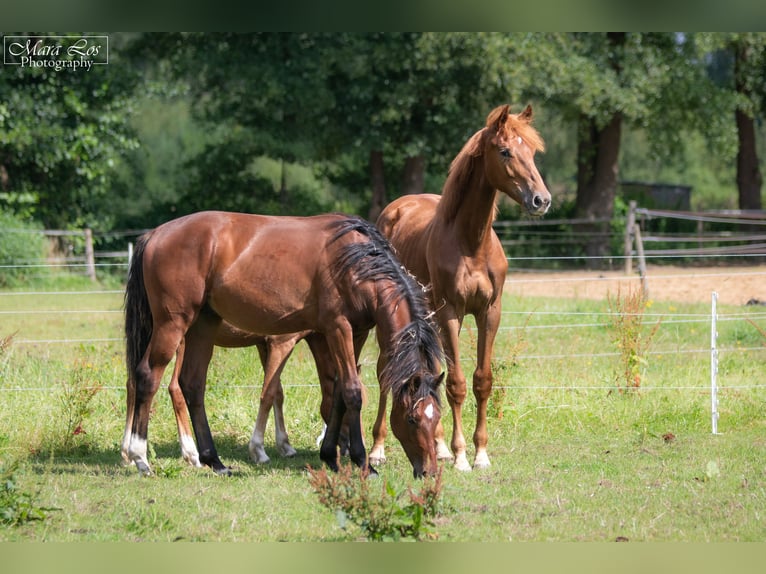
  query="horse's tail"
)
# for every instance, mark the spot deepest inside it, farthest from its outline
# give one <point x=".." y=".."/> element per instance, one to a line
<point x="138" y="315"/>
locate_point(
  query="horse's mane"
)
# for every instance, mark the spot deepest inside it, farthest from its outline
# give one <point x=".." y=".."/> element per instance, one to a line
<point x="375" y="260"/>
<point x="462" y="167"/>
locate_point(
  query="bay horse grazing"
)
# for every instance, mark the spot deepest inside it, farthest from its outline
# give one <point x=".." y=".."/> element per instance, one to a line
<point x="448" y="242"/>
<point x="332" y="274"/>
<point x="273" y="351"/>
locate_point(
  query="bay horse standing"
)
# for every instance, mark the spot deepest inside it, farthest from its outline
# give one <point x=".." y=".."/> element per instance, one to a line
<point x="448" y="242"/>
<point x="332" y="274"/>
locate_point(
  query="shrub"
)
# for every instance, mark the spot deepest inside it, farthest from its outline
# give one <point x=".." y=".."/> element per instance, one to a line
<point x="385" y="514"/>
<point x="630" y="337"/>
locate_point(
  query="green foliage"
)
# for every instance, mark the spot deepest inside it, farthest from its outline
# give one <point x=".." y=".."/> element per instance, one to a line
<point x="20" y="243"/>
<point x="61" y="134"/>
<point x="17" y="506"/>
<point x="385" y="515"/>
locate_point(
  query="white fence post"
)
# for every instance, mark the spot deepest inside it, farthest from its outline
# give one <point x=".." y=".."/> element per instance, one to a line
<point x="714" y="363"/>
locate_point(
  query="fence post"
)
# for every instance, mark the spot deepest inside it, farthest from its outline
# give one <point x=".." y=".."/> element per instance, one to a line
<point x="714" y="363"/>
<point x="90" y="260"/>
<point x="641" y="260"/>
<point x="629" y="224"/>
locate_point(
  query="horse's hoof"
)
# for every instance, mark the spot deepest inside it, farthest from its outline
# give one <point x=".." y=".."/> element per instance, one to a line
<point x="143" y="468"/>
<point x="287" y="451"/>
<point x="443" y="453"/>
<point x="461" y="463"/>
<point x="223" y="471"/>
<point x="377" y="460"/>
<point x="481" y="461"/>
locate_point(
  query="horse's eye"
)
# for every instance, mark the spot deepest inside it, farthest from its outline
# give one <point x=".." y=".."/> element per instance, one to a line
<point x="411" y="420"/>
<point x="505" y="152"/>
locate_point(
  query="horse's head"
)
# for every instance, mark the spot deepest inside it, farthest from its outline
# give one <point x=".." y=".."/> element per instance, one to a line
<point x="414" y="421"/>
<point x="509" y="156"/>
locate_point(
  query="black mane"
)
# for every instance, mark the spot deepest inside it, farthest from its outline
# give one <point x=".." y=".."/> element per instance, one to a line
<point x="417" y="347"/>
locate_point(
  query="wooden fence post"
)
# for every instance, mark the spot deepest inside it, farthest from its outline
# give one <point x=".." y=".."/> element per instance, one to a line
<point x="90" y="260"/>
<point x="629" y="225"/>
<point x="641" y="260"/>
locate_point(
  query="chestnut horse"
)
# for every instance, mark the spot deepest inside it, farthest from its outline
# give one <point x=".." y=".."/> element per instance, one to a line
<point x="448" y="243"/>
<point x="332" y="274"/>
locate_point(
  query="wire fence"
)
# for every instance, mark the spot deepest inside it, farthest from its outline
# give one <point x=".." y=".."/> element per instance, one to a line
<point x="38" y="308"/>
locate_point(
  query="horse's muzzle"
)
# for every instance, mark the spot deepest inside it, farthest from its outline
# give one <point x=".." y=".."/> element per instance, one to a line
<point x="537" y="203"/>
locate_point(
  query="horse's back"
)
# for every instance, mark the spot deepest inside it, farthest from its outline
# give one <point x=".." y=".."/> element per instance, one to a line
<point x="408" y="214"/>
<point x="260" y="273"/>
<point x="406" y="223"/>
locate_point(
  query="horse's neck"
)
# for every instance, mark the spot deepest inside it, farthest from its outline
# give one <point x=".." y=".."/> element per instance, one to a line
<point x="392" y="314"/>
<point x="467" y="207"/>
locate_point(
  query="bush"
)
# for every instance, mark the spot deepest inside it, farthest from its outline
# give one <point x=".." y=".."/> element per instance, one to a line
<point x="20" y="244"/>
<point x="383" y="515"/>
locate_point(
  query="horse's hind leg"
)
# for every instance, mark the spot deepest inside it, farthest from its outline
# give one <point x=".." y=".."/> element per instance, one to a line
<point x="274" y="354"/>
<point x="185" y="437"/>
<point x="148" y="375"/>
<point x="131" y="405"/>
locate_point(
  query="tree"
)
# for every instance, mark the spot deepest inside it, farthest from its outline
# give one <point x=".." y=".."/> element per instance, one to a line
<point x="391" y="104"/>
<point x="61" y="135"/>
<point x="603" y="82"/>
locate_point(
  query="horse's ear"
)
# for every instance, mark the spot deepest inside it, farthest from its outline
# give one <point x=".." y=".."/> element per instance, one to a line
<point x="439" y="381"/>
<point x="498" y="117"/>
<point x="526" y="115"/>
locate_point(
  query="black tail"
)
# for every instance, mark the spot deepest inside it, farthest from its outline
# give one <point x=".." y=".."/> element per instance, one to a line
<point x="138" y="315"/>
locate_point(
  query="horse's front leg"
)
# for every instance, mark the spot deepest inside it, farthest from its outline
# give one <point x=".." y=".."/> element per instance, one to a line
<point x="379" y="431"/>
<point x="487" y="326"/>
<point x="328" y="451"/>
<point x="450" y="325"/>
<point x="347" y="400"/>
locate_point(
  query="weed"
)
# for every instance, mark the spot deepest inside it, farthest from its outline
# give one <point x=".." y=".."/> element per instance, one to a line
<point x="384" y="515"/>
<point x="78" y="391"/>
<point x="630" y="337"/>
<point x="5" y="342"/>
<point x="501" y="369"/>
<point x="17" y="506"/>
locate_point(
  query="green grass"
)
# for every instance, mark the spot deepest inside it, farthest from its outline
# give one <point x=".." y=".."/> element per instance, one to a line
<point x="573" y="459"/>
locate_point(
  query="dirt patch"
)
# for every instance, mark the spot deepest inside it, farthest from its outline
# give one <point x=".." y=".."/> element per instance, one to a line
<point x="734" y="285"/>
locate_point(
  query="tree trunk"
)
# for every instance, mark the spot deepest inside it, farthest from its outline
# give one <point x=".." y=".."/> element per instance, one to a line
<point x="378" y="181"/>
<point x="597" y="168"/>
<point x="413" y="178"/>
<point x="749" y="179"/>
<point x="284" y="196"/>
<point x="598" y="152"/>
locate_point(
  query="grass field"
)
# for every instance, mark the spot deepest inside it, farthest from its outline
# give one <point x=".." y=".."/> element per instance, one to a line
<point x="573" y="457"/>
